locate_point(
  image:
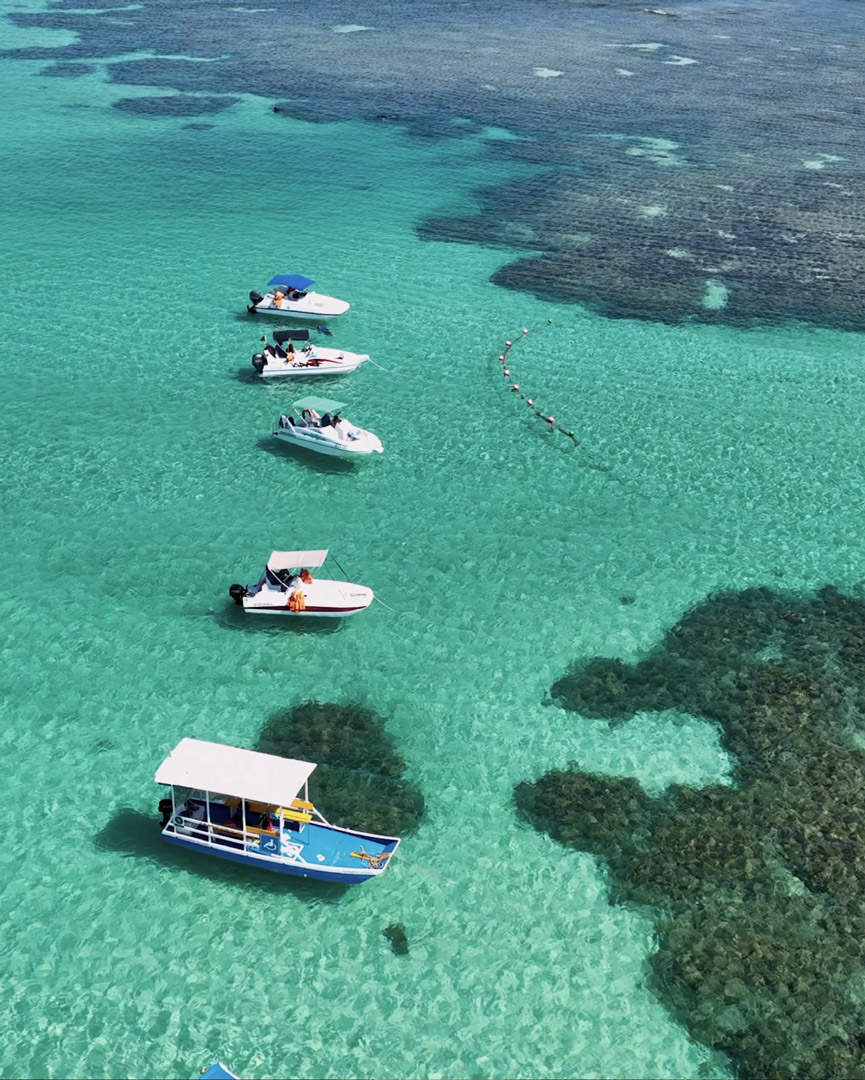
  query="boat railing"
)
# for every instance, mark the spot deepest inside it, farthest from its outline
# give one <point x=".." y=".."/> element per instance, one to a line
<point x="213" y="835"/>
<point x="224" y="835"/>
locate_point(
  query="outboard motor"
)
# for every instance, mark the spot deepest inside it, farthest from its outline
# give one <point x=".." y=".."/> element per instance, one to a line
<point x="255" y="297"/>
<point x="237" y="593"/>
<point x="165" y="810"/>
<point x="259" y="361"/>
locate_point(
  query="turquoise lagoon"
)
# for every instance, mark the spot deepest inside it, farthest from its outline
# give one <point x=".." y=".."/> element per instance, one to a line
<point x="140" y="480"/>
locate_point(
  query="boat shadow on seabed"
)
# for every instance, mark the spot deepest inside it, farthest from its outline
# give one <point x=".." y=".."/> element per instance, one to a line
<point x="308" y="458"/>
<point x="135" y="835"/>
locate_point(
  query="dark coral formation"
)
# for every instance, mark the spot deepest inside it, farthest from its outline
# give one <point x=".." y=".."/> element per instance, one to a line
<point x="718" y="185"/>
<point x="68" y="71"/>
<point x="396" y="935"/>
<point x="359" y="781"/>
<point x="758" y="890"/>
<point x="174" y="105"/>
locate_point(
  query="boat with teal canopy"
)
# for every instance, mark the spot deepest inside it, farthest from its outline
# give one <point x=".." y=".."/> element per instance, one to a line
<point x="320" y="426"/>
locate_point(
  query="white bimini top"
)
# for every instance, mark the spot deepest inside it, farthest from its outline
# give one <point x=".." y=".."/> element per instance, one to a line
<point x="290" y="560"/>
<point x="227" y="770"/>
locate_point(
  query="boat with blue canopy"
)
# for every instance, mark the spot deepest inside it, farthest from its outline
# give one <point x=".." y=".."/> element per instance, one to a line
<point x="319" y="426"/>
<point x="254" y="808"/>
<point x="291" y="296"/>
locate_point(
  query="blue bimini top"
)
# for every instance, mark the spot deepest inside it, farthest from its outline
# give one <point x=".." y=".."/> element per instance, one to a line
<point x="292" y="281"/>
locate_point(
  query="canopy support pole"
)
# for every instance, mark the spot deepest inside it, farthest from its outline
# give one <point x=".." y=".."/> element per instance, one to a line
<point x="209" y="826"/>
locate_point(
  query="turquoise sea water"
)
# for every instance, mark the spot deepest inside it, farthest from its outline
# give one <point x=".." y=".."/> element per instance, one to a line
<point x="139" y="481"/>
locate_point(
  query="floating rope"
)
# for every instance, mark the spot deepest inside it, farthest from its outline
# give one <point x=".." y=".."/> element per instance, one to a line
<point x="515" y="389"/>
<point x="548" y="419"/>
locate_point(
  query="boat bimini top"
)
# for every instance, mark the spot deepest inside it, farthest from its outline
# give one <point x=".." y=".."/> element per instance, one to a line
<point x="227" y="770"/>
<point x="292" y="281"/>
<point x="319" y="404"/>
<point x="295" y="560"/>
<point x="290" y="335"/>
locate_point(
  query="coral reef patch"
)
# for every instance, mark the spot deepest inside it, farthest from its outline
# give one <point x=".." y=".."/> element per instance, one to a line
<point x="714" y="184"/>
<point x="174" y="105"/>
<point x="359" y="781"/>
<point x="396" y="935"/>
<point x="68" y="71"/>
<point x="757" y="890"/>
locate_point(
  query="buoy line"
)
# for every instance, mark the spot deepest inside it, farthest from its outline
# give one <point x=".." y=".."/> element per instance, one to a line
<point x="548" y="419"/>
<point x="515" y="389"/>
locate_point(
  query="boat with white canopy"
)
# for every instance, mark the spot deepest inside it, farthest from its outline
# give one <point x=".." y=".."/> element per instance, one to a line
<point x="320" y="427"/>
<point x="254" y="808"/>
<point x="283" y="359"/>
<point x="288" y="588"/>
<point x="290" y="296"/>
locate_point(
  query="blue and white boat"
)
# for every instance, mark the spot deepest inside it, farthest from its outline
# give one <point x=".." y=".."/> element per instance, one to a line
<point x="245" y="806"/>
<point x="218" y="1071"/>
<point x="290" y="296"/>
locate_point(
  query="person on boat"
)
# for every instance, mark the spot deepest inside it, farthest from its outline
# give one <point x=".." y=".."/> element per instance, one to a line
<point x="289" y="352"/>
<point x="267" y="823"/>
<point x="278" y="297"/>
<point x="306" y="576"/>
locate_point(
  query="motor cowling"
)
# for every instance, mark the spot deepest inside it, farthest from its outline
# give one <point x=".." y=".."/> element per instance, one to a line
<point x="259" y="361"/>
<point x="255" y="297"/>
<point x="165" y="809"/>
<point x="237" y="593"/>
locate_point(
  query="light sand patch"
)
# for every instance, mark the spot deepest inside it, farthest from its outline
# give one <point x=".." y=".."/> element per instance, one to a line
<point x="679" y="61"/>
<point x="715" y="296"/>
<point x="725" y="187"/>
<point x="547" y="73"/>
<point x="820" y="161"/>
<point x="623" y="71"/>
<point x="643" y="46"/>
<point x="652" y="211"/>
<point x="351" y="28"/>
<point x="660" y="151"/>
<point x="679" y="253"/>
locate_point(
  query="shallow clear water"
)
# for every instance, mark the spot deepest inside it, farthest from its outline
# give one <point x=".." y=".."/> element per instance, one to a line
<point x="140" y="480"/>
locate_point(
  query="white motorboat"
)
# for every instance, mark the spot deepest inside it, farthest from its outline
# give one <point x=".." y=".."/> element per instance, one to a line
<point x="290" y="296"/>
<point x="283" y="359"/>
<point x="320" y="427"/>
<point x="288" y="588"/>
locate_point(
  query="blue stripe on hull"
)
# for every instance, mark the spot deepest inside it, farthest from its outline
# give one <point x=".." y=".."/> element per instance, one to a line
<point x="269" y="864"/>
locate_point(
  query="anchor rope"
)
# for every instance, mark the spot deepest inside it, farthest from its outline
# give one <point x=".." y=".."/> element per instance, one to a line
<point x="383" y="604"/>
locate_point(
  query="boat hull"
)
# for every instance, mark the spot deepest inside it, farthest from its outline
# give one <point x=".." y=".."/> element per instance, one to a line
<point x="306" y="370"/>
<point x="323" y="599"/>
<point x="263" y="862"/>
<point x="332" y="613"/>
<point x="330" y="449"/>
<point x="314" y="307"/>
